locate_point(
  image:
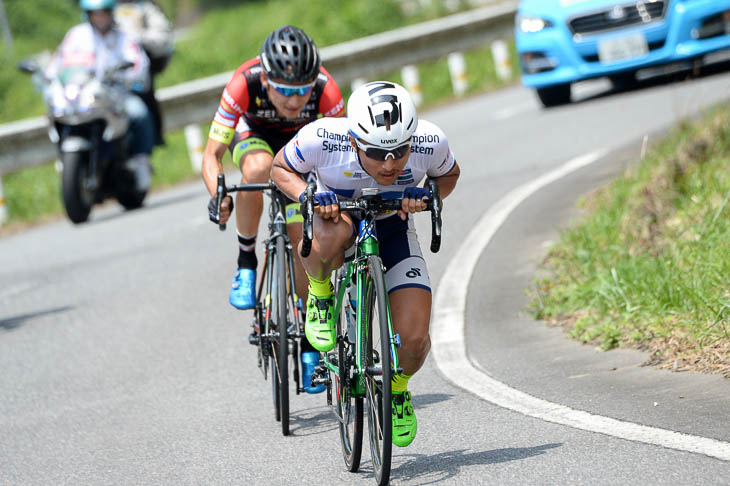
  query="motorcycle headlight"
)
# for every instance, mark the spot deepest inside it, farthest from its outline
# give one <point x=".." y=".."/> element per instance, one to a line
<point x="87" y="99"/>
<point x="57" y="99"/>
<point x="71" y="91"/>
<point x="530" y="24"/>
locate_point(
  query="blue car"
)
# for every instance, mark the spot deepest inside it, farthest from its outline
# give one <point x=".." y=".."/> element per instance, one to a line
<point x="560" y="42"/>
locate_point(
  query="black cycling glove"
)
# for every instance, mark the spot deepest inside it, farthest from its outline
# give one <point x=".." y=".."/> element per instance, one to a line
<point x="416" y="193"/>
<point x="322" y="198"/>
<point x="213" y="209"/>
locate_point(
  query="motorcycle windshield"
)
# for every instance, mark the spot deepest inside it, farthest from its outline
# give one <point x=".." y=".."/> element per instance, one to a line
<point x="74" y="75"/>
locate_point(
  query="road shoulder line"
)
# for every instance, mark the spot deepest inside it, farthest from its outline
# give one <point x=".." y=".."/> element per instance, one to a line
<point x="449" y="347"/>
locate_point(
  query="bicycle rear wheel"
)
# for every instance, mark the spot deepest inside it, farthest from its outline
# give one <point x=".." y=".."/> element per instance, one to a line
<point x="281" y="344"/>
<point x="379" y="373"/>
<point x="349" y="408"/>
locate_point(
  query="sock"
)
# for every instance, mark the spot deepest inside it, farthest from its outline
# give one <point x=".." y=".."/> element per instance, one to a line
<point x="247" y="252"/>
<point x="320" y="288"/>
<point x="400" y="383"/>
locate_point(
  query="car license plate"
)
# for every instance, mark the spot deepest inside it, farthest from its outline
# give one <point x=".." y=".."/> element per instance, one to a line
<point x="622" y="48"/>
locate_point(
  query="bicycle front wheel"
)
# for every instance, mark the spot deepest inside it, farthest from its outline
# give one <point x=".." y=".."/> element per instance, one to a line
<point x="378" y="370"/>
<point x="281" y="344"/>
<point x="348" y="407"/>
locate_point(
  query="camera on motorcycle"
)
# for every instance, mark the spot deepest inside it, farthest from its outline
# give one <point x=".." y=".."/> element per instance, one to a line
<point x="123" y="66"/>
<point x="28" y="66"/>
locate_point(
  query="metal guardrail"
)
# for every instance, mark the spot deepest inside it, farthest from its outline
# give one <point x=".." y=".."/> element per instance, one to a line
<point x="25" y="143"/>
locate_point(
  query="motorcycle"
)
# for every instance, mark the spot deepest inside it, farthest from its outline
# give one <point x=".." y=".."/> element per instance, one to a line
<point x="89" y="126"/>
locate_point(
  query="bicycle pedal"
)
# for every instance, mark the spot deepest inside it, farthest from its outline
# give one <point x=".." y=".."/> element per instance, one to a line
<point x="253" y="339"/>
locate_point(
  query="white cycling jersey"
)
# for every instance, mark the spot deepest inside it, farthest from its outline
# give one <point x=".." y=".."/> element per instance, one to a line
<point x="323" y="146"/>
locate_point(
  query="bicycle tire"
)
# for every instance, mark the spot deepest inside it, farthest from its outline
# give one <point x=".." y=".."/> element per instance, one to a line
<point x="349" y="408"/>
<point x="268" y="318"/>
<point x="282" y="343"/>
<point x="378" y="385"/>
<point x="275" y="388"/>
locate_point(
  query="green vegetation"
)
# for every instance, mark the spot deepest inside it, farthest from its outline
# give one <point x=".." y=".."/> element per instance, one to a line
<point x="649" y="268"/>
<point x="225" y="33"/>
<point x="194" y="58"/>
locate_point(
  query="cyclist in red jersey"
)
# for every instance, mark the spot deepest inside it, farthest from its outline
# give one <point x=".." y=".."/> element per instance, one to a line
<point x="268" y="99"/>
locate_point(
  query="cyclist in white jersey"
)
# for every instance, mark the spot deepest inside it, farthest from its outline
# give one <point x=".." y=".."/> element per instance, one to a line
<point x="381" y="144"/>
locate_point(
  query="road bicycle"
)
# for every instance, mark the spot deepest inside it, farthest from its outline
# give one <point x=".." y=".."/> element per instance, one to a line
<point x="359" y="370"/>
<point x="278" y="324"/>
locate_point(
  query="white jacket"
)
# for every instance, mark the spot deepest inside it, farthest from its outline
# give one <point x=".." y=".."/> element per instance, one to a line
<point x="147" y="24"/>
<point x="85" y="46"/>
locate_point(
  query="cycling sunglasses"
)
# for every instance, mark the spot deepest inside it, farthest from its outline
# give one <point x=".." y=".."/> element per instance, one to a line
<point x="291" y="90"/>
<point x="381" y="154"/>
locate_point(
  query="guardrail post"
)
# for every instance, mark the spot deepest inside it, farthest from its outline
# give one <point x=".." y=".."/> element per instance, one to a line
<point x="356" y="83"/>
<point x="411" y="82"/>
<point x="194" y="140"/>
<point x="457" y="69"/>
<point x="3" y="207"/>
<point x="502" y="62"/>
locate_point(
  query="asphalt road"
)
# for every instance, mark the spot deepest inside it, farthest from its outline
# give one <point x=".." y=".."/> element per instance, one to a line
<point x="122" y="362"/>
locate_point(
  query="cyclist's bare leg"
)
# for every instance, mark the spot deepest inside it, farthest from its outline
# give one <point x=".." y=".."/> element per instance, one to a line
<point x="410" y="309"/>
<point x="328" y="246"/>
<point x="255" y="168"/>
<point x="327" y="253"/>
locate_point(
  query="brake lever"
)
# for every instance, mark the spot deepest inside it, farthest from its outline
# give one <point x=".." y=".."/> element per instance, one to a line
<point x="220" y="194"/>
<point x="435" y="207"/>
<point x="307" y="209"/>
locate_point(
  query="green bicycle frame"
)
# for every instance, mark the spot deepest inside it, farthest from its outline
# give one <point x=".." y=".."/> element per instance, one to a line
<point x="366" y="244"/>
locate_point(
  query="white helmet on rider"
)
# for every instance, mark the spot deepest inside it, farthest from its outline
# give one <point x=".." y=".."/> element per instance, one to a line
<point x="382" y="113"/>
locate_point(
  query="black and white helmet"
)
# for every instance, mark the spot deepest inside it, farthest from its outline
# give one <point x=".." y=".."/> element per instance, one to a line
<point x="289" y="54"/>
<point x="382" y="113"/>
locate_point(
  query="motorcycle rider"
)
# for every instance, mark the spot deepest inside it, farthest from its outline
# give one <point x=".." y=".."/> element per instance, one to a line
<point x="145" y="21"/>
<point x="99" y="46"/>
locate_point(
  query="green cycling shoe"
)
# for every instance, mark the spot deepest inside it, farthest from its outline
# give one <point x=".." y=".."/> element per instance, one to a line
<point x="405" y="424"/>
<point x="320" y="325"/>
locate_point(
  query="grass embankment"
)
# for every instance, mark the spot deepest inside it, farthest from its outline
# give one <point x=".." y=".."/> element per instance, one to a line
<point x="219" y="43"/>
<point x="650" y="267"/>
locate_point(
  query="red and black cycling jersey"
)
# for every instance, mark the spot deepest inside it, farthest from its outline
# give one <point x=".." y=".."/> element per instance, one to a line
<point x="244" y="96"/>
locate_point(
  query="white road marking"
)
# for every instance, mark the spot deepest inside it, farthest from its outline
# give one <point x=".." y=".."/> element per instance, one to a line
<point x="450" y="352"/>
<point x="511" y="111"/>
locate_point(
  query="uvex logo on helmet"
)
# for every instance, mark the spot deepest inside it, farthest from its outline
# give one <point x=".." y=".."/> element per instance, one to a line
<point x="382" y="114"/>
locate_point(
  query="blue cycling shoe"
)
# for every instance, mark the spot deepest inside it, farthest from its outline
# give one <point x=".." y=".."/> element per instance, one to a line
<point x="243" y="289"/>
<point x="310" y="359"/>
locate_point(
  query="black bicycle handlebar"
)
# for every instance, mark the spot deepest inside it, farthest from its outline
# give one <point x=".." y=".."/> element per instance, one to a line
<point x="222" y="191"/>
<point x="307" y="210"/>
<point x="372" y="203"/>
<point x="435" y="216"/>
<point x="220" y="194"/>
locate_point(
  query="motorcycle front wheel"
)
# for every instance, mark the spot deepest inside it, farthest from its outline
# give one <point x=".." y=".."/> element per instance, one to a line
<point x="78" y="197"/>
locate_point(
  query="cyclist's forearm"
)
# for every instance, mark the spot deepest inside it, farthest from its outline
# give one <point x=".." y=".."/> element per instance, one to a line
<point x="286" y="179"/>
<point x="447" y="182"/>
<point x="212" y="164"/>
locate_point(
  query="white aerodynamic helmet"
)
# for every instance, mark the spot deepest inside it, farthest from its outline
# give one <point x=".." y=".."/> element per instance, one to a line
<point x="382" y="113"/>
